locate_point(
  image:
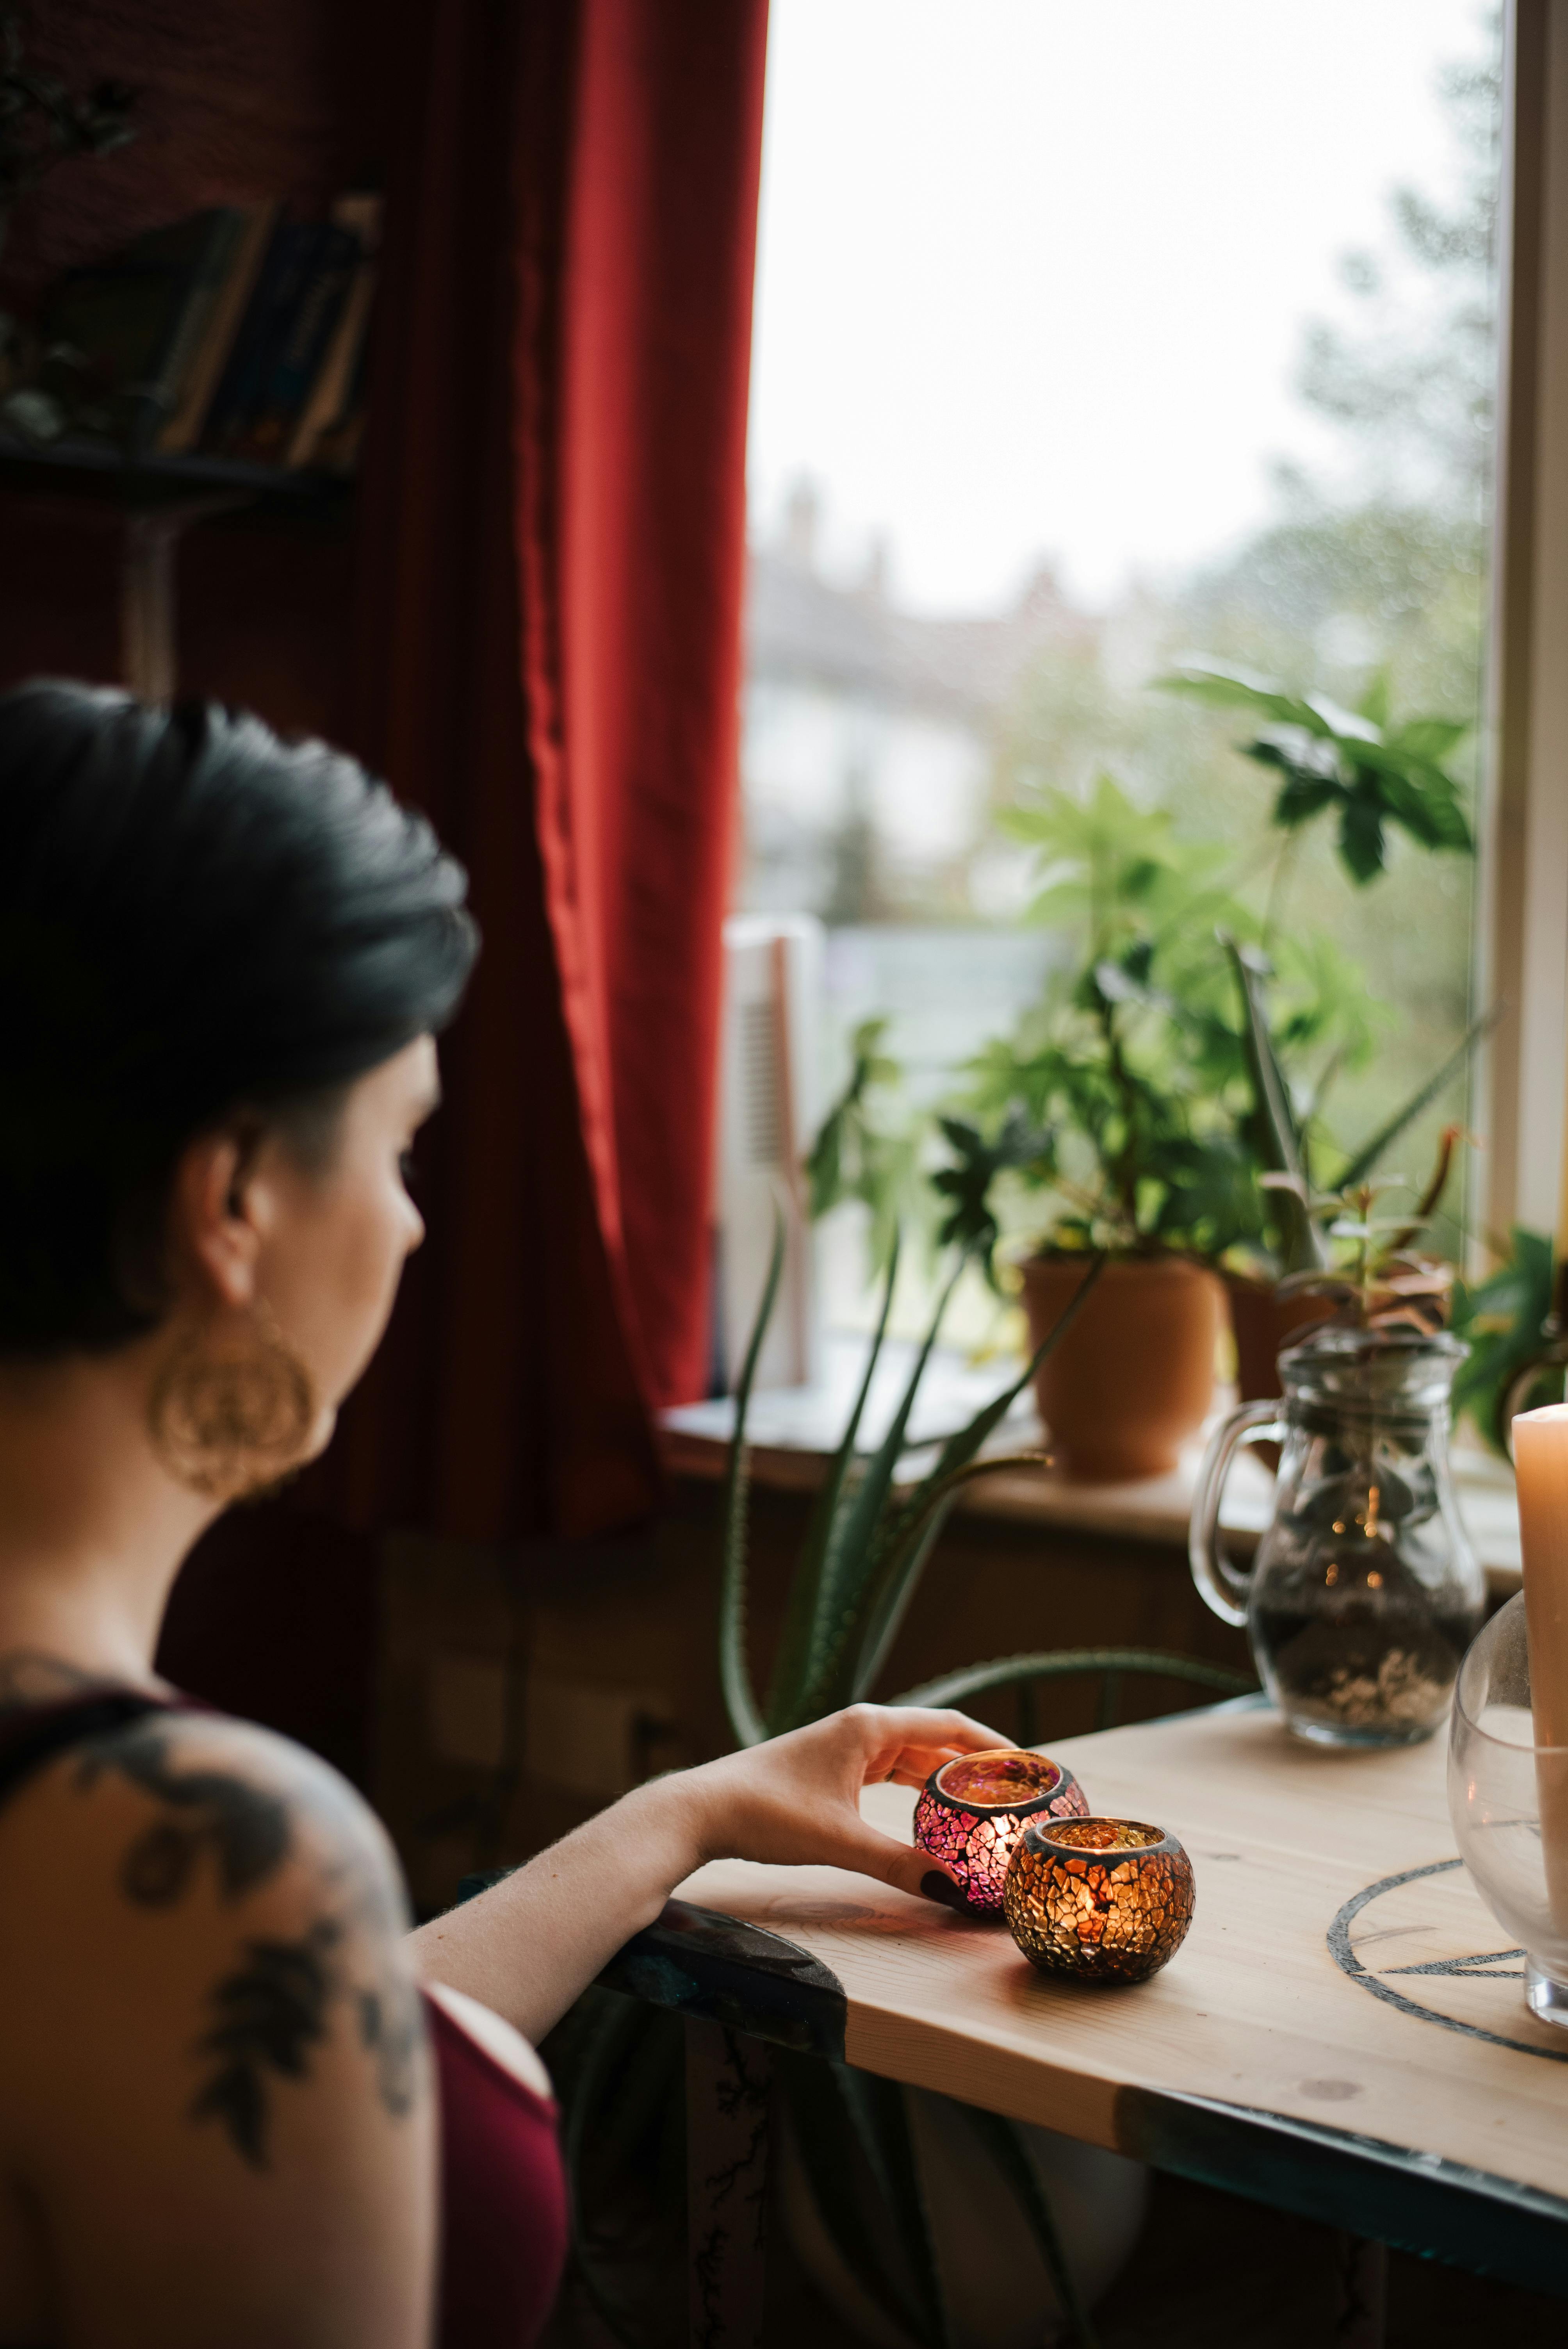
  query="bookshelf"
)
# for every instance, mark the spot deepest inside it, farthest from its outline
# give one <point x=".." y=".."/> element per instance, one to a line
<point x="224" y="352"/>
<point x="200" y="295"/>
<point x="155" y="500"/>
<point x="94" y="467"/>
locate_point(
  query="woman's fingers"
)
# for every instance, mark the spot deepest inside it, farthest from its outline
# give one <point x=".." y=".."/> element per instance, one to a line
<point x="858" y="1846"/>
<point x="906" y="1743"/>
<point x="915" y="1727"/>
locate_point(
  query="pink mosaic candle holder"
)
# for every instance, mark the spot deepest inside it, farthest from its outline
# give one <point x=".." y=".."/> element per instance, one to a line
<point x="972" y="1812"/>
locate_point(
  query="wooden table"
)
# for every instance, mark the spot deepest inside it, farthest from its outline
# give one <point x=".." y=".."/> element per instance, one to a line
<point x="1342" y="2035"/>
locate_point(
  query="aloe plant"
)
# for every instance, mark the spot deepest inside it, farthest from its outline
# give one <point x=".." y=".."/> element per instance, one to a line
<point x="1283" y="1141"/>
<point x="1377" y="1280"/>
<point x="865" y="1548"/>
<point x="618" y="2068"/>
<point x="867" y="1541"/>
<point x="860" y="1154"/>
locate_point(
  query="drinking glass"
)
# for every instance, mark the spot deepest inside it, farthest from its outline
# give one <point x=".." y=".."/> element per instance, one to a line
<point x="1508" y="1798"/>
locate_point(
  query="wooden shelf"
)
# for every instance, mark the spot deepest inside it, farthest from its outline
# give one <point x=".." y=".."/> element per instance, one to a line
<point x="95" y="469"/>
<point x="794" y="1432"/>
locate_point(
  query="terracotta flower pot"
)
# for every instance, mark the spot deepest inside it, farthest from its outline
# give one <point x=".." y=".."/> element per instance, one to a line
<point x="1265" y="1323"/>
<point x="1134" y="1376"/>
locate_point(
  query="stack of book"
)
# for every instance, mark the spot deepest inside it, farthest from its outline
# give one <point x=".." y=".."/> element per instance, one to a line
<point x="239" y="333"/>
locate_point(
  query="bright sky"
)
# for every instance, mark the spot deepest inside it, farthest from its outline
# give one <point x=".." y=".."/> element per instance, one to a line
<point x="1033" y="273"/>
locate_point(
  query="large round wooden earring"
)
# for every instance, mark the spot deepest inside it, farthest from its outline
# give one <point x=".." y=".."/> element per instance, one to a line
<point x="230" y="1417"/>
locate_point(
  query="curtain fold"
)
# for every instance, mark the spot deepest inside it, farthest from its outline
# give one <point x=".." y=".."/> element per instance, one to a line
<point x="550" y="558"/>
<point x="638" y="255"/>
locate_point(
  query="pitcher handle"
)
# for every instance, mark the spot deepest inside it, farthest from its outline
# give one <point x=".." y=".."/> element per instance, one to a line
<point x="1218" y="1581"/>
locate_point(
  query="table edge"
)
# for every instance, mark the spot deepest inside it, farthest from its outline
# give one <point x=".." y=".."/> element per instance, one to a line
<point x="706" y="1964"/>
<point x="1417" y="2202"/>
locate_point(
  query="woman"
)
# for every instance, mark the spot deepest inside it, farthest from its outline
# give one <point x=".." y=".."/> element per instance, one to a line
<point x="239" y="2103"/>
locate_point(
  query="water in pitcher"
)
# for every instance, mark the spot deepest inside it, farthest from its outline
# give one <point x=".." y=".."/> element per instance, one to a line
<point x="1364" y="1592"/>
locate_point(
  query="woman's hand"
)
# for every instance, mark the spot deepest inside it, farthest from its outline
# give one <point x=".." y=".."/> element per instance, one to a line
<point x="529" y="1946"/>
<point x="796" y="1798"/>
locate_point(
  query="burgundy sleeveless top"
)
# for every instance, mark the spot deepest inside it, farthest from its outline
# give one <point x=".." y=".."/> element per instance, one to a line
<point x="504" y="2191"/>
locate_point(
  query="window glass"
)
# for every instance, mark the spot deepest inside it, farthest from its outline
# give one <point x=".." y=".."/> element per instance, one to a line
<point x="1089" y="340"/>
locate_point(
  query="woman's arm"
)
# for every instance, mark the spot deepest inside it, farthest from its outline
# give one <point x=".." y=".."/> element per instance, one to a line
<point x="534" y="1941"/>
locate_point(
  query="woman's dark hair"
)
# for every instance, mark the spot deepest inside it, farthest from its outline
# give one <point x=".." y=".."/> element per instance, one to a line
<point x="197" y="920"/>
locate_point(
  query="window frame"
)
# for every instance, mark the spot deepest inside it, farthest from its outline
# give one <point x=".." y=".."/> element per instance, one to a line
<point x="1521" y="926"/>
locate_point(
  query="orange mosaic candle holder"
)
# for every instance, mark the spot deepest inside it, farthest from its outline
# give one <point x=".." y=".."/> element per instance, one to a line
<point x="1099" y="1900"/>
<point x="972" y="1812"/>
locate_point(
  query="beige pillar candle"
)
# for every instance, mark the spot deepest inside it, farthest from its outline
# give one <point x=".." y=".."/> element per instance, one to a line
<point x="1541" y="1459"/>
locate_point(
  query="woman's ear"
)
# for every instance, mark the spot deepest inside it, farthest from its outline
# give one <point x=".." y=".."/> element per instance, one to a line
<point x="216" y="1219"/>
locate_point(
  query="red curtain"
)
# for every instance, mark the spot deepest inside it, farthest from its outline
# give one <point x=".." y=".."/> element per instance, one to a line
<point x="552" y="554"/>
<point x="639" y="245"/>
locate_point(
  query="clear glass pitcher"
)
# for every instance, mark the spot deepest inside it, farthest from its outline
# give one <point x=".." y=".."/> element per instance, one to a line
<point x="1364" y="1592"/>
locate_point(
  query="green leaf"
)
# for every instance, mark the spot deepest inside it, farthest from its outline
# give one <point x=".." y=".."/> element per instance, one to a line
<point x="1429" y="738"/>
<point x="1233" y="689"/>
<point x="961" y="1447"/>
<point x="1302" y="796"/>
<point x="1072" y="1663"/>
<point x="969" y="1224"/>
<point x="829" y="2138"/>
<point x="902" y="1561"/>
<point x="1361" y="845"/>
<point x="879" y="2117"/>
<point x="905" y="1542"/>
<point x="852" y="1549"/>
<point x="1301" y="1248"/>
<point x="735" y="1671"/>
<point x="855" y="1157"/>
<point x="790" y="1670"/>
<point x="1377" y="773"/>
<point x="1502" y="1321"/>
<point x="1368" y="1155"/>
<point x="1373" y="704"/>
<point x="1415" y="794"/>
<point x="1002" y="2141"/>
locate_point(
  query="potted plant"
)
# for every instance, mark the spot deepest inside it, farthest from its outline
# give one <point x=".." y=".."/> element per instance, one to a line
<point x="1367" y="774"/>
<point x="1287" y="1286"/>
<point x="1131" y="1115"/>
<point x="1273" y="1297"/>
<point x="1110" y="1118"/>
<point x="1509" y="1321"/>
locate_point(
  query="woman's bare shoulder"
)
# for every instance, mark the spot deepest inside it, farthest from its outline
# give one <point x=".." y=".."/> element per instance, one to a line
<point x="182" y="1873"/>
<point x="208" y="1802"/>
<point x="214" y="2077"/>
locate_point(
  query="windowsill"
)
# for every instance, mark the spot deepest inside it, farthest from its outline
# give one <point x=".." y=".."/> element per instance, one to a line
<point x="795" y="1431"/>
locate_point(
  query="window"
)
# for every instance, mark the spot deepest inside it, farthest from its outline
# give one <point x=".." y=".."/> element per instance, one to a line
<point x="1087" y="339"/>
